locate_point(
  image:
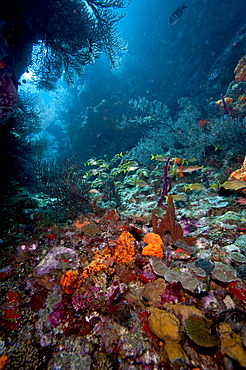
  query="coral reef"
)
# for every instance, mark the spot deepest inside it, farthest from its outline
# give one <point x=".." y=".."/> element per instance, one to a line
<point x="240" y="70"/>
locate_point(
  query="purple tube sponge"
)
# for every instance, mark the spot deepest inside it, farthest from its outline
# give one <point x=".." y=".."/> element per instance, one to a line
<point x="166" y="184"/>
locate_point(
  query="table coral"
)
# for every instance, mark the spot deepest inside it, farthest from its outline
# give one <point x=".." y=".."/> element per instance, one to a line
<point x="154" y="245"/>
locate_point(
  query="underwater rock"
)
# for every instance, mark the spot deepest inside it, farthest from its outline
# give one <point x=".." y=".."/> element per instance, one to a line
<point x="164" y="324"/>
<point x="199" y="330"/>
<point x="8" y="96"/>
<point x="228" y="302"/>
<point x="223" y="273"/>
<point x="125" y="274"/>
<point x="173" y="350"/>
<point x="6" y="272"/>
<point x="37" y="301"/>
<point x="44" y="273"/>
<point x="231" y="344"/>
<point x="153" y="290"/>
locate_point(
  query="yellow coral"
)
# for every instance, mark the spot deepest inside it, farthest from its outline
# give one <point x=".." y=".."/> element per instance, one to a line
<point x="154" y="245"/>
<point x="70" y="281"/>
<point x="124" y="248"/>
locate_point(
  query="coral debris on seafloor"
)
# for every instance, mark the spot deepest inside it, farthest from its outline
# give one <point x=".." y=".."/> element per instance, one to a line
<point x="115" y="290"/>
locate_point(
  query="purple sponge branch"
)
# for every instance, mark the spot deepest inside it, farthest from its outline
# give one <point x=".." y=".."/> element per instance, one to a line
<point x="166" y="184"/>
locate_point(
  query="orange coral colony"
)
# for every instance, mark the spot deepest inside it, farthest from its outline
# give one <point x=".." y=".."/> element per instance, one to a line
<point x="154" y="245"/>
<point x="124" y="248"/>
<point x="239" y="174"/>
<point x="240" y="70"/>
<point x="70" y="281"/>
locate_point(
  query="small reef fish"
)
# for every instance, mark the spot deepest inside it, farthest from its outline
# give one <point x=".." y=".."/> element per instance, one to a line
<point x="176" y="15"/>
<point x="214" y="187"/>
<point x="241" y="201"/>
<point x="234" y="185"/>
<point x="192" y="168"/>
<point x="196" y="186"/>
<point x="94" y="191"/>
<point x="159" y="158"/>
<point x="213" y="75"/>
<point x="140" y="183"/>
<point x="178" y="197"/>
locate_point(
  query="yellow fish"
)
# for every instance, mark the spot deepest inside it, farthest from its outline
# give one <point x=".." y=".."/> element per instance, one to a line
<point x="159" y="158"/>
<point x="140" y="183"/>
<point x="234" y="185"/>
<point x="192" y="168"/>
<point x="196" y="186"/>
<point x="178" y="197"/>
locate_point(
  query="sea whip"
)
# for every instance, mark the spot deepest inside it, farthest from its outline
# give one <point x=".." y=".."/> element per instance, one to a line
<point x="166" y="184"/>
<point x="224" y="104"/>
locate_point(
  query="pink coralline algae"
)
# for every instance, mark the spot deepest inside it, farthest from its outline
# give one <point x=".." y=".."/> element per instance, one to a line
<point x="8" y="96"/>
<point x="90" y="299"/>
<point x="172" y="294"/>
<point x="59" y="315"/>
